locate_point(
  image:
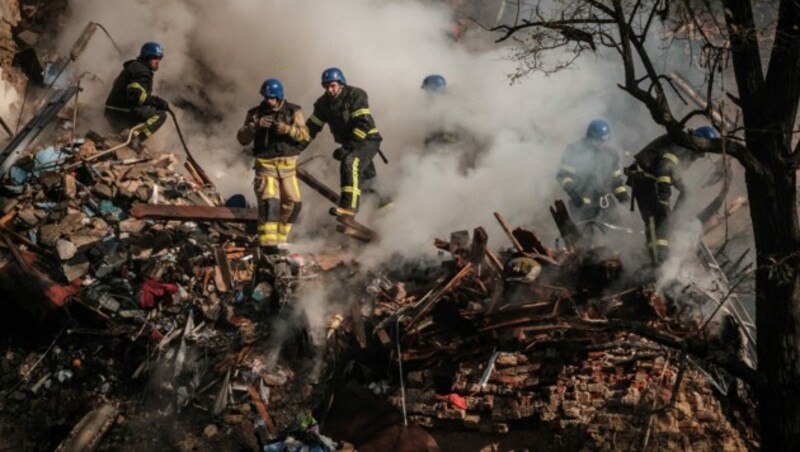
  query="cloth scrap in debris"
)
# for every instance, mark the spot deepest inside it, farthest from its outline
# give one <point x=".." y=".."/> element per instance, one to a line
<point x="153" y="290"/>
<point x="454" y="399"/>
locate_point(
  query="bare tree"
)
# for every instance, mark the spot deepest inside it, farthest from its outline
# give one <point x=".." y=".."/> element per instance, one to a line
<point x="759" y="42"/>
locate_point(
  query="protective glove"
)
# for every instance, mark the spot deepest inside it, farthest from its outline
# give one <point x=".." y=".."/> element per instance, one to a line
<point x="340" y="154"/>
<point x="158" y="102"/>
<point x="266" y="122"/>
<point x="282" y="128"/>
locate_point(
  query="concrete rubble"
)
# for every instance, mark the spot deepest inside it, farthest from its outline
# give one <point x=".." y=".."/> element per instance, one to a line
<point x="140" y="316"/>
<point x="160" y="319"/>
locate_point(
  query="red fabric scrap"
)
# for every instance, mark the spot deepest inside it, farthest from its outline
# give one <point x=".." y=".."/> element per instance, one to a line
<point x="454" y="399"/>
<point x="153" y="290"/>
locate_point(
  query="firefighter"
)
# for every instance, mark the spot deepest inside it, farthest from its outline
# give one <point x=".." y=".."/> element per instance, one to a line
<point x="131" y="101"/>
<point x="435" y="86"/>
<point x="278" y="133"/>
<point x="590" y="174"/>
<point x="443" y="134"/>
<point x="657" y="169"/>
<point x="345" y="109"/>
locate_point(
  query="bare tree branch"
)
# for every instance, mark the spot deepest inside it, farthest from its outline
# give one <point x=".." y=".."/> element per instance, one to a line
<point x="554" y="24"/>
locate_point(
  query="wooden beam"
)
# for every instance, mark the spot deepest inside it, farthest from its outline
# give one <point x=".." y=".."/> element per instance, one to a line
<point x="507" y="230"/>
<point x="194" y="213"/>
<point x="347" y="226"/>
<point x="317" y="185"/>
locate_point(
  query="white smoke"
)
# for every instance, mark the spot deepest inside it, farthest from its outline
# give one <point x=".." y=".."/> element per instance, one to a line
<point x="218" y="53"/>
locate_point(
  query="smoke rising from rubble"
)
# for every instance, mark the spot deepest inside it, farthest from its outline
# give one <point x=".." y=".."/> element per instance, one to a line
<point x="217" y="54"/>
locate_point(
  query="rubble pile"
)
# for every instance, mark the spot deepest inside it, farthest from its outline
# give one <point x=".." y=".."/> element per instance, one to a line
<point x="552" y="340"/>
<point x="183" y="324"/>
<point x="154" y="321"/>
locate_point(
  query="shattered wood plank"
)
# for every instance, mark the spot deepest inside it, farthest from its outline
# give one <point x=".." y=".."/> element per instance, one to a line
<point x="353" y="233"/>
<point x="224" y="266"/>
<point x="362" y="230"/>
<point x="477" y="251"/>
<point x="317" y="185"/>
<point x="261" y="407"/>
<point x="87" y="433"/>
<point x="365" y="234"/>
<point x="441" y="244"/>
<point x="497" y="292"/>
<point x="8" y="217"/>
<point x="494" y="261"/>
<point x="507" y="230"/>
<point x="530" y="242"/>
<point x="194" y="213"/>
<point x="195" y="173"/>
<point x="454" y="280"/>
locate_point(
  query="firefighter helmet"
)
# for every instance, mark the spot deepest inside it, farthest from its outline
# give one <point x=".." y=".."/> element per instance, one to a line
<point x="151" y="50"/>
<point x="598" y="130"/>
<point x="434" y="83"/>
<point x="333" y="74"/>
<point x="706" y="132"/>
<point x="272" y="87"/>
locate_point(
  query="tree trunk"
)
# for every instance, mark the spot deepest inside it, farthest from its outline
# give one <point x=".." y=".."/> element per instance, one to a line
<point x="773" y="208"/>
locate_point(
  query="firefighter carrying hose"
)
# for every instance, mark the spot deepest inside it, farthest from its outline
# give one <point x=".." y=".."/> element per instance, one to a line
<point x="657" y="169"/>
<point x="345" y="109"/>
<point x="278" y="133"/>
<point x="131" y="101"/>
<point x="590" y="174"/>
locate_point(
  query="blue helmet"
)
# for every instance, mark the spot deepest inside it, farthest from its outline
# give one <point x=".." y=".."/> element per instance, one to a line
<point x="333" y="74"/>
<point x="706" y="132"/>
<point x="151" y="50"/>
<point x="598" y="130"/>
<point x="272" y="87"/>
<point x="434" y="83"/>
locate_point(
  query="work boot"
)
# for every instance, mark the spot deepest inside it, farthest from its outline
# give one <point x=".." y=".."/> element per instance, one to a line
<point x="342" y="212"/>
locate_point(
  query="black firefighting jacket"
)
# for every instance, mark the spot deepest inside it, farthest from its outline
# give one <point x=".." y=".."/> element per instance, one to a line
<point x="132" y="87"/>
<point x="662" y="161"/>
<point x="348" y="115"/>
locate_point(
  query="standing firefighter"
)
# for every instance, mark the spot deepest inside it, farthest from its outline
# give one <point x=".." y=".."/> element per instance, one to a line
<point x="657" y="168"/>
<point x="130" y="101"/>
<point x="346" y="110"/>
<point x="445" y="135"/>
<point x="278" y="133"/>
<point x="591" y="175"/>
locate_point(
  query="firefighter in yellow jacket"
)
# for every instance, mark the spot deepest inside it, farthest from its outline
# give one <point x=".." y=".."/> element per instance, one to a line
<point x="278" y="133"/>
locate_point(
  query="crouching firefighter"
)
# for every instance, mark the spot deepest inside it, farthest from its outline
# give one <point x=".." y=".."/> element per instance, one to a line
<point x="278" y="133"/>
<point x="590" y="174"/>
<point x="131" y="101"/>
<point x="345" y="109"/>
<point x="656" y="170"/>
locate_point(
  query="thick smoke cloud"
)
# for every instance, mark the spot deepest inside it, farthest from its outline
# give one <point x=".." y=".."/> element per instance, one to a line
<point x="217" y="54"/>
